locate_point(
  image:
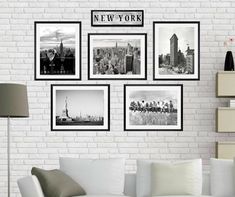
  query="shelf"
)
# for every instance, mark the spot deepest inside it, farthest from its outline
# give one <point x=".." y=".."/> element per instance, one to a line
<point x="225" y="84"/>
<point x="225" y="119"/>
<point x="225" y="150"/>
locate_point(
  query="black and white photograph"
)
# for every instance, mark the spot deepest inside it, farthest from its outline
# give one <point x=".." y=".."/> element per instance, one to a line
<point x="153" y="107"/>
<point x="80" y="107"/>
<point x="57" y="50"/>
<point x="176" y="50"/>
<point x="117" y="56"/>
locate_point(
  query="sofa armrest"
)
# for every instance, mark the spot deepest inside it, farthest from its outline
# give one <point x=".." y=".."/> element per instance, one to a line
<point x="30" y="187"/>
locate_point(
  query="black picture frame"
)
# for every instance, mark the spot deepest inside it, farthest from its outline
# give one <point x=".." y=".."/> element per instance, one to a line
<point x="79" y="47"/>
<point x="118" y="34"/>
<point x="117" y="25"/>
<point x="151" y="86"/>
<point x="107" y="107"/>
<point x="197" y="78"/>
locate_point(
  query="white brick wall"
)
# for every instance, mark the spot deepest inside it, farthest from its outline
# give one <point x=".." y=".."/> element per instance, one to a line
<point x="32" y="142"/>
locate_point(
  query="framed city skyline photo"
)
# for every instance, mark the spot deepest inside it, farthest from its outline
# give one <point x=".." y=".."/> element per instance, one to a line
<point x="153" y="107"/>
<point x="80" y="107"/>
<point x="176" y="50"/>
<point x="117" y="56"/>
<point x="57" y="50"/>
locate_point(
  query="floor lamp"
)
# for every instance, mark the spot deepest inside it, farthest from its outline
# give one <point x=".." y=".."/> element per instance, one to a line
<point x="13" y="104"/>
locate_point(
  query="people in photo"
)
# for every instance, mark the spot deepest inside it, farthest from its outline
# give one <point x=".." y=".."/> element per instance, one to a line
<point x="161" y="107"/>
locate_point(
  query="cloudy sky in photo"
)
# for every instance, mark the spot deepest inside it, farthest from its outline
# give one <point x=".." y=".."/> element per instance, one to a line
<point x="84" y="102"/>
<point x="112" y="42"/>
<point x="185" y="37"/>
<point x="51" y="36"/>
<point x="157" y="95"/>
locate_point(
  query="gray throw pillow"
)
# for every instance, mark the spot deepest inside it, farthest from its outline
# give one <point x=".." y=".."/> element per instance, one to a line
<point x="56" y="183"/>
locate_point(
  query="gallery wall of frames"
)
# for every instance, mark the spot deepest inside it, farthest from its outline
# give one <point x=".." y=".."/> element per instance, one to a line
<point x="117" y="56"/>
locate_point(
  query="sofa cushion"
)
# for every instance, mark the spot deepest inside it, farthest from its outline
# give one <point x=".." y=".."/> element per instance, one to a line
<point x="181" y="178"/>
<point x="183" y="196"/>
<point x="128" y="196"/>
<point x="55" y="183"/>
<point x="99" y="177"/>
<point x="30" y="187"/>
<point x="102" y="196"/>
<point x="222" y="183"/>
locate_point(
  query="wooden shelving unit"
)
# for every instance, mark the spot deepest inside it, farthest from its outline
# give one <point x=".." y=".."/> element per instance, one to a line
<point x="225" y="116"/>
<point x="225" y="87"/>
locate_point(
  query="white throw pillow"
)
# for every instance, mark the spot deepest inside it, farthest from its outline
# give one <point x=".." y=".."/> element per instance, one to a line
<point x="100" y="177"/>
<point x="184" y="178"/>
<point x="222" y="173"/>
<point x="143" y="176"/>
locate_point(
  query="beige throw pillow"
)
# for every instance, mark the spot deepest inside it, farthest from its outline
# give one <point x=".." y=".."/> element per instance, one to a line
<point x="184" y="178"/>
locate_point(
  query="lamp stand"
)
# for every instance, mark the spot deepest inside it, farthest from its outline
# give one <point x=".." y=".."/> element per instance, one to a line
<point x="8" y="155"/>
<point x="13" y="104"/>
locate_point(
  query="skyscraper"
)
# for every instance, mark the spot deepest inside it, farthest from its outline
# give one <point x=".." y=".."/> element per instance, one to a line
<point x="174" y="50"/>
<point x="61" y="49"/>
<point x="190" y="60"/>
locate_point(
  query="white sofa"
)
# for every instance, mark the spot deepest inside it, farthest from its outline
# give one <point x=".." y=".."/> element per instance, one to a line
<point x="29" y="186"/>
